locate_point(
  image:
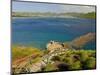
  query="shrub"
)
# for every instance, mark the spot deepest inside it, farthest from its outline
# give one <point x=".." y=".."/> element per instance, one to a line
<point x="55" y="58"/>
<point x="77" y="59"/>
<point x="62" y="66"/>
<point x="50" y="67"/>
<point x="76" y="66"/>
<point x="90" y="63"/>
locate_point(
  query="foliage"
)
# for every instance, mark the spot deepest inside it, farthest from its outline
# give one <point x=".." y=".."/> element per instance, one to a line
<point x="77" y="59"/>
<point x="19" y="52"/>
<point x="48" y="14"/>
<point x="89" y="63"/>
<point x="89" y="15"/>
<point x="65" y="61"/>
<point x="50" y="67"/>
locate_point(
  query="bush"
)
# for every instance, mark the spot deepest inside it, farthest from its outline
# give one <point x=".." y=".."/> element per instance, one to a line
<point x="83" y="55"/>
<point x="77" y="59"/>
<point x="76" y="66"/>
<point x="62" y="66"/>
<point x="50" y="67"/>
<point x="90" y="63"/>
<point x="55" y="58"/>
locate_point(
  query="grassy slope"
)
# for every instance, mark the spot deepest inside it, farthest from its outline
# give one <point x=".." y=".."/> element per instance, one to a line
<point x="19" y="52"/>
<point x="71" y="59"/>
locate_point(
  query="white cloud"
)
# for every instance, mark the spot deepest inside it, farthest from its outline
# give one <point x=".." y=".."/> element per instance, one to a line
<point x="77" y="8"/>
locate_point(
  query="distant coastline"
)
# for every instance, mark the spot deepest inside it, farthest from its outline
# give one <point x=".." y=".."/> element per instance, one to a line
<point x="91" y="15"/>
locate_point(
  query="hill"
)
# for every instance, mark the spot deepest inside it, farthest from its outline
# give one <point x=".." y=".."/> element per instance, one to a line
<point x="63" y="60"/>
<point x="57" y="57"/>
<point x="80" y="42"/>
<point x="91" y="15"/>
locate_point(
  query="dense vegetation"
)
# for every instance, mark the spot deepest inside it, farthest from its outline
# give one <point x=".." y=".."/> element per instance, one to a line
<point x="65" y="61"/>
<point x="73" y="60"/>
<point x="88" y="15"/>
<point x="20" y="53"/>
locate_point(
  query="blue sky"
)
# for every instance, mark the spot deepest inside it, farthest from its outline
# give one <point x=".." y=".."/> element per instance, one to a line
<point x="44" y="7"/>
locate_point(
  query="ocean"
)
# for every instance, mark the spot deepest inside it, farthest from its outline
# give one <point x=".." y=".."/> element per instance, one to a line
<point x="37" y="32"/>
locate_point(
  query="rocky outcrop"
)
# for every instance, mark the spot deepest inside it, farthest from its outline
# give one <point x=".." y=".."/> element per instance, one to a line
<point x="79" y="42"/>
<point x="76" y="43"/>
<point x="52" y="46"/>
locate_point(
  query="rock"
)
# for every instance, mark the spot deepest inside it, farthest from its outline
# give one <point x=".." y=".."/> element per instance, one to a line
<point x="81" y="41"/>
<point x="52" y="46"/>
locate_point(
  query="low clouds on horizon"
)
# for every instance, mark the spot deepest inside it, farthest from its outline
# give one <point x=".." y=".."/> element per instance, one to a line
<point x="50" y="7"/>
<point x="77" y="8"/>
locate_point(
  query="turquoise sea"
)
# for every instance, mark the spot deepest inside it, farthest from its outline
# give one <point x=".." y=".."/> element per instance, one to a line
<point x="37" y="32"/>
